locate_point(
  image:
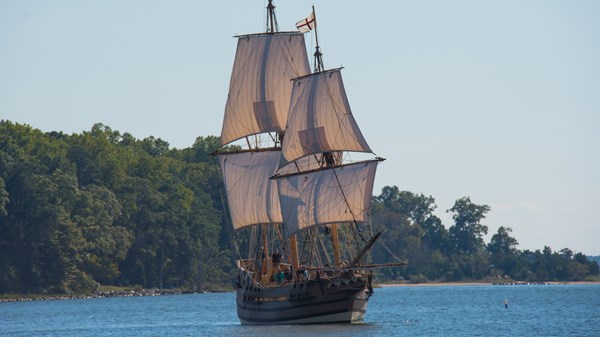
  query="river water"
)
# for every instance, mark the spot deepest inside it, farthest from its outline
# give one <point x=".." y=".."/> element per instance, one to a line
<point x="533" y="310"/>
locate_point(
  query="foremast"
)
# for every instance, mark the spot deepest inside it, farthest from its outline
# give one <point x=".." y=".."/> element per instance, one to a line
<point x="254" y="120"/>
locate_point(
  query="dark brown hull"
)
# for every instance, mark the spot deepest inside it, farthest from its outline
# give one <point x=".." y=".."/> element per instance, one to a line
<point x="342" y="300"/>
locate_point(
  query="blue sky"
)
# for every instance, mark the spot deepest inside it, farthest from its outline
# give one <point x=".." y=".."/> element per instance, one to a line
<point x="498" y="101"/>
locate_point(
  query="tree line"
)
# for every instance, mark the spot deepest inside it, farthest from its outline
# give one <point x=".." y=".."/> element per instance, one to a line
<point x="457" y="253"/>
<point x="103" y="207"/>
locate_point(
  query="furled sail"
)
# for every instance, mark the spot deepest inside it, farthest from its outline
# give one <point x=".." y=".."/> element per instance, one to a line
<point x="320" y="119"/>
<point x="332" y="195"/>
<point x="260" y="85"/>
<point x="252" y="197"/>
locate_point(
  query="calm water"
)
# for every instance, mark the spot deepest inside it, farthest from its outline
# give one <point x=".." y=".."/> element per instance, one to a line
<point x="535" y="310"/>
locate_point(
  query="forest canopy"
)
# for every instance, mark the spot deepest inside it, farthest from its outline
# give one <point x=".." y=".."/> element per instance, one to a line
<point x="103" y="207"/>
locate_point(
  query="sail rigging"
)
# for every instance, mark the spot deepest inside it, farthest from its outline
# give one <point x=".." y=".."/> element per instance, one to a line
<point x="320" y="118"/>
<point x="326" y="196"/>
<point x="295" y="195"/>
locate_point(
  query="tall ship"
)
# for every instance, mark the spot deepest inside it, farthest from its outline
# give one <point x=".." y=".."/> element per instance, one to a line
<point x="298" y="205"/>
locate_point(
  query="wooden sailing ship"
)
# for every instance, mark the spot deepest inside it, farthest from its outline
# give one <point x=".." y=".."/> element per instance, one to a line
<point x="299" y="207"/>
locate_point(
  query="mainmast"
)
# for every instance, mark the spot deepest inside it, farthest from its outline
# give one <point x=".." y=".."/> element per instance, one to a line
<point x="318" y="55"/>
<point x="272" y="25"/>
<point x="328" y="159"/>
<point x="320" y="124"/>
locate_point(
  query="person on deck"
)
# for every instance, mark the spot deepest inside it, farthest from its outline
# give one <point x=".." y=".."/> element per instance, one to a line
<point x="289" y="276"/>
<point x="276" y="257"/>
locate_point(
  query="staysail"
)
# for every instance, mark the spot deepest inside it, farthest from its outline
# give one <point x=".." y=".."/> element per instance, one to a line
<point x="326" y="196"/>
<point x="320" y="119"/>
<point x="252" y="197"/>
<point x="260" y="86"/>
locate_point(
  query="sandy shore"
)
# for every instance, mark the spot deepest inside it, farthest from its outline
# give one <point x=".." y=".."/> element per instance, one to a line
<point x="434" y="284"/>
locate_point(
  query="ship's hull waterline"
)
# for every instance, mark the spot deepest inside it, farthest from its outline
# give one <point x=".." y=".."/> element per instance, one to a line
<point x="306" y="302"/>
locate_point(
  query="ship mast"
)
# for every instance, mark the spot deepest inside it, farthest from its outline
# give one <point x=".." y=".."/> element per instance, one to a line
<point x="318" y="55"/>
<point x="256" y="113"/>
<point x="272" y="25"/>
<point x="328" y="158"/>
<point x="271" y="28"/>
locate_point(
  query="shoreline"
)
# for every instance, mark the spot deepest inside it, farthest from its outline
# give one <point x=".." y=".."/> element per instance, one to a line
<point x="169" y="292"/>
<point x="483" y="283"/>
<point x="100" y="294"/>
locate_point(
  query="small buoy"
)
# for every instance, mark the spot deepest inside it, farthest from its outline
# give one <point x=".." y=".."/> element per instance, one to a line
<point x="506" y="303"/>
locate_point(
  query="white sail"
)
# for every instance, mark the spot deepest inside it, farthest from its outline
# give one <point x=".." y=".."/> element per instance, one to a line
<point x="260" y="85"/>
<point x="331" y="195"/>
<point x="252" y="197"/>
<point x="320" y="119"/>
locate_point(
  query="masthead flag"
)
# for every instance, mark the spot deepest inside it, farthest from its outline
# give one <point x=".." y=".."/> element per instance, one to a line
<point x="307" y="24"/>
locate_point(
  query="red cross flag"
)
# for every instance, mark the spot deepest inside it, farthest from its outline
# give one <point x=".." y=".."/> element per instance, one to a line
<point x="308" y="24"/>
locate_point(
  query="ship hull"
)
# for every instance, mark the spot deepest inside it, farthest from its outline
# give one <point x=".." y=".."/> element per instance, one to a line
<point x="307" y="302"/>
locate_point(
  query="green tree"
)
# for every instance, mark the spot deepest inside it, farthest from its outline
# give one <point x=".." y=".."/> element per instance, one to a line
<point x="3" y="197"/>
<point x="95" y="212"/>
<point x="410" y="229"/>
<point x="502" y="243"/>
<point x="41" y="241"/>
<point x="467" y="232"/>
<point x="503" y="251"/>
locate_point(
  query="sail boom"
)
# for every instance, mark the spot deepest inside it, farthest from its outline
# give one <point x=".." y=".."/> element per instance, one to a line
<point x="318" y="72"/>
<point x="262" y="149"/>
<point x="231" y="141"/>
<point x="291" y="32"/>
<point x="279" y="176"/>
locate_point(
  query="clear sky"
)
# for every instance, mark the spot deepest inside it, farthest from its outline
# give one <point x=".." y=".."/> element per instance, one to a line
<point x="498" y="101"/>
